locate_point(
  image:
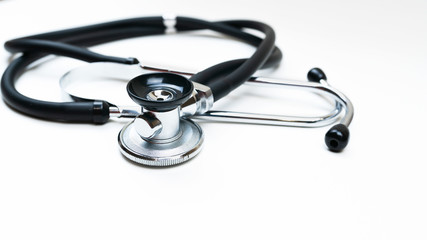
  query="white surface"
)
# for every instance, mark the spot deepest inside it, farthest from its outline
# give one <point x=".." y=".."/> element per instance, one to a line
<point x="69" y="181"/>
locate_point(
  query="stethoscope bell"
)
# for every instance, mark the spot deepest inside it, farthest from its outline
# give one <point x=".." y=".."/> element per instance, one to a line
<point x="159" y="136"/>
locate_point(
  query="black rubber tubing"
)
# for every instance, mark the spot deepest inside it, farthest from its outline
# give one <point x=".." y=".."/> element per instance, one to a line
<point x="231" y="81"/>
<point x="71" y="41"/>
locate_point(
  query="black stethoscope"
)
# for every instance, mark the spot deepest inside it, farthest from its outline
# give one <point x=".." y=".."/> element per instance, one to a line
<point x="161" y="132"/>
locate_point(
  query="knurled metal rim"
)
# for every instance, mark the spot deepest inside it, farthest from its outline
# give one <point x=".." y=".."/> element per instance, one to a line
<point x="182" y="155"/>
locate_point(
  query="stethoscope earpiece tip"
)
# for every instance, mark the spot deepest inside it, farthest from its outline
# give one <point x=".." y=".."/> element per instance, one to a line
<point x="315" y="75"/>
<point x="337" y="137"/>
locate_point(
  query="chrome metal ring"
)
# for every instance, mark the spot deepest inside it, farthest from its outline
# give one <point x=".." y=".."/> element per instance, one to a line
<point x="187" y="146"/>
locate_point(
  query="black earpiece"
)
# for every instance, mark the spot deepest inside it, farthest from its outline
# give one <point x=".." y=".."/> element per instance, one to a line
<point x="337" y="137"/>
<point x="315" y="75"/>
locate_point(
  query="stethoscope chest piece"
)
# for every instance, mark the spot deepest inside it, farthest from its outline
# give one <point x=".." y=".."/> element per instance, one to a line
<point x="159" y="136"/>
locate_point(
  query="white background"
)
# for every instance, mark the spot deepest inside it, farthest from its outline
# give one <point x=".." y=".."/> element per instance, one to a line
<point x="69" y="181"/>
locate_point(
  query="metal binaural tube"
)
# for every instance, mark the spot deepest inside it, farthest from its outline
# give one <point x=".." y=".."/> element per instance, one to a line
<point x="322" y="88"/>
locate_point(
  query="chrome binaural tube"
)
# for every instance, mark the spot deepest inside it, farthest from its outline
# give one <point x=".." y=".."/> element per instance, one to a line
<point x="322" y="88"/>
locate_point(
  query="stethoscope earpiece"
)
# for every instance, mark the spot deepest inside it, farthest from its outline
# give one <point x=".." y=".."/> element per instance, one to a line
<point x="337" y="137"/>
<point x="316" y="75"/>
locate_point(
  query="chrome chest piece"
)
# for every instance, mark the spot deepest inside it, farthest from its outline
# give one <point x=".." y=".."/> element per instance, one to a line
<point x="159" y="136"/>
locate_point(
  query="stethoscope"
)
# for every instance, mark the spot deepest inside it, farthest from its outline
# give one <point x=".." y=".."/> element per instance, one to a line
<point x="162" y="131"/>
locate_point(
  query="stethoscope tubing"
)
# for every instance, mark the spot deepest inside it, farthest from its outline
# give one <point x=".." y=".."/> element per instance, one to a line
<point x="222" y="78"/>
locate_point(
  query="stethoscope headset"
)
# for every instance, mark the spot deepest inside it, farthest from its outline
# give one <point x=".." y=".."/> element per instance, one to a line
<point x="161" y="132"/>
